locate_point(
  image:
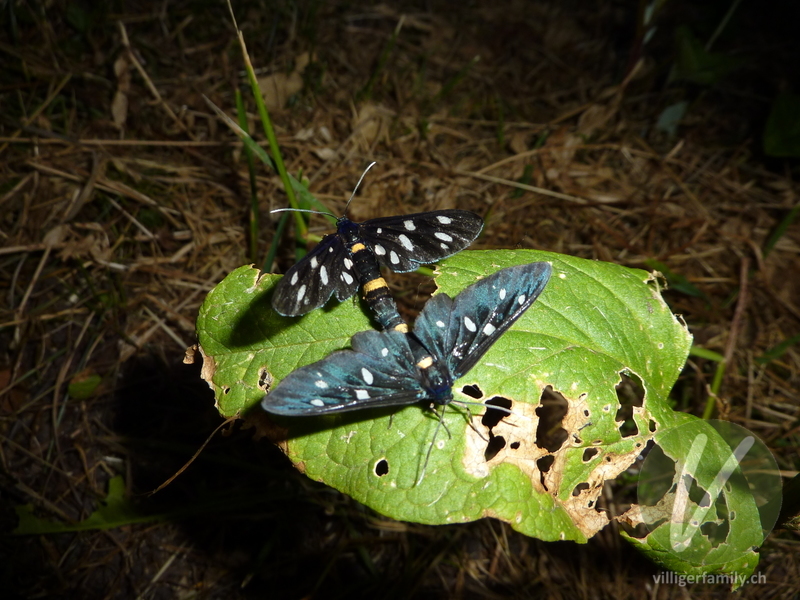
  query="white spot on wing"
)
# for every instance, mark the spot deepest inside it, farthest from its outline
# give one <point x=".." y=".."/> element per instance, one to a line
<point x="470" y="324"/>
<point x="379" y="230"/>
<point x="317" y="402"/>
<point x="394" y="258"/>
<point x="323" y="275"/>
<point x="362" y="395"/>
<point x="444" y="246"/>
<point x="489" y="329"/>
<point x="409" y="225"/>
<point x="348" y="264"/>
<point x="521" y="299"/>
<point x="314" y="262"/>
<point x="440" y="323"/>
<point x="502" y="293"/>
<point x="443" y="236"/>
<point x="379" y="250"/>
<point x="406" y="242"/>
<point x="385" y="352"/>
<point x="301" y="292"/>
<point x="347" y="278"/>
<point x="366" y="375"/>
<point x="321" y="384"/>
<point x="444" y="220"/>
<point x="295" y="277"/>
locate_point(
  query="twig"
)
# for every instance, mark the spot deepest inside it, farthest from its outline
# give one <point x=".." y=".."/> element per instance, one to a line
<point x="153" y="90"/>
<point x="41" y="108"/>
<point x="740" y="308"/>
<point x="523" y="186"/>
<point x="194" y="456"/>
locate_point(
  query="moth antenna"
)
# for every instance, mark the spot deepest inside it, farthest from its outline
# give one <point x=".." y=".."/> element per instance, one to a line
<point x="489" y="407"/>
<point x="360" y="179"/>
<point x="305" y="210"/>
<point x="430" y="447"/>
<point x="508" y="411"/>
<point x="475" y="429"/>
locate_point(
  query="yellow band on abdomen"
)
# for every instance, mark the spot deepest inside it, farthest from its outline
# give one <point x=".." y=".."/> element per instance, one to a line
<point x="375" y="284"/>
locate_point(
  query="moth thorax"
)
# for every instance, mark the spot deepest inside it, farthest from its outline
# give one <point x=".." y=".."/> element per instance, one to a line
<point x="437" y="383"/>
<point x="347" y="230"/>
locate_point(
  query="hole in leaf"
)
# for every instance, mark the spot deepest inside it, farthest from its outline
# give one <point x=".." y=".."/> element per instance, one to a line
<point x="264" y="379"/>
<point x="381" y="467"/>
<point x="717" y="533"/>
<point x="652" y="426"/>
<point x="696" y="493"/>
<point x="589" y="454"/>
<point x="497" y="443"/>
<point x="648" y="448"/>
<point x="544" y="465"/>
<point x="492" y="416"/>
<point x="630" y="393"/>
<point x="226" y="390"/>
<point x="473" y="391"/>
<point x="579" y="488"/>
<point x="716" y="525"/>
<point x="550" y="435"/>
<point x="514" y="445"/>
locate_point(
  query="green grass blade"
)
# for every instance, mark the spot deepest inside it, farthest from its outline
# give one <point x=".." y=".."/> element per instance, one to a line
<point x="251" y="171"/>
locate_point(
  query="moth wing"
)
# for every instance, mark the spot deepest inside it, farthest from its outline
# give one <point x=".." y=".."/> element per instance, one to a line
<point x="433" y="329"/>
<point x="379" y="371"/>
<point x="460" y="331"/>
<point x="309" y="284"/>
<point x="403" y="243"/>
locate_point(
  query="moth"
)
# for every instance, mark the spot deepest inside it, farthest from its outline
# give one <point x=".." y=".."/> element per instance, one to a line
<point x="354" y="255"/>
<point x="392" y="368"/>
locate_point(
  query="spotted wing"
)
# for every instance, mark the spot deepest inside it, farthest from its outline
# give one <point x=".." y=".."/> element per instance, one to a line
<point x="379" y="371"/>
<point x="403" y="243"/>
<point x="459" y="332"/>
<point x="308" y="285"/>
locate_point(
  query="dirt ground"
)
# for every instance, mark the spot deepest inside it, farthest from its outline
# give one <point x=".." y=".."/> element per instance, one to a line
<point x="124" y="200"/>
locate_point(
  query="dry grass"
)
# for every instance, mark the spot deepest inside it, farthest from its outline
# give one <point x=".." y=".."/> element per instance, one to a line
<point x="124" y="201"/>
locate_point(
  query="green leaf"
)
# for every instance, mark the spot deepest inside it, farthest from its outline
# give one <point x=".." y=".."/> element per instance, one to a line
<point x="701" y="352"/>
<point x="115" y="511"/>
<point x="776" y="352"/>
<point x="695" y="64"/>
<point x="708" y="460"/>
<point x="79" y="16"/>
<point x="594" y="323"/>
<point x="247" y="345"/>
<point x="781" y="229"/>
<point x="782" y="131"/>
<point x="83" y="385"/>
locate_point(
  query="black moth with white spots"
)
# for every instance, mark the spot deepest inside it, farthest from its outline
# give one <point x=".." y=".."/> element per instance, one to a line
<point x="354" y="254"/>
<point x="391" y="368"/>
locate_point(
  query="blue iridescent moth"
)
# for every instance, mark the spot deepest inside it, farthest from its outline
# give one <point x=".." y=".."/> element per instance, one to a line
<point x="392" y="368"/>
